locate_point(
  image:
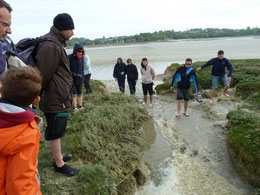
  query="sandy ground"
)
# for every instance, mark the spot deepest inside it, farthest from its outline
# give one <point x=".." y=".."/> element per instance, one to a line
<point x="201" y="164"/>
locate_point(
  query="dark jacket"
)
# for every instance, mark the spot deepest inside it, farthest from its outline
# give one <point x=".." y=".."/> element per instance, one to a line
<point x="118" y="69"/>
<point x="77" y="65"/>
<point x="131" y="72"/>
<point x="52" y="61"/>
<point x="184" y="76"/>
<point x="218" y="68"/>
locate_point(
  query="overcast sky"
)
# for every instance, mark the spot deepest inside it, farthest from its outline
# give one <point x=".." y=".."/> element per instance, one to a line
<point x="98" y="18"/>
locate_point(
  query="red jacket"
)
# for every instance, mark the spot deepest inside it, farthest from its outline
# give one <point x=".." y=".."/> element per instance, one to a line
<point x="19" y="148"/>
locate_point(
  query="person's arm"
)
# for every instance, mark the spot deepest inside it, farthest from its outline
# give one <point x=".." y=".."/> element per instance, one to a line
<point x="114" y="73"/>
<point x="174" y="78"/>
<point x="47" y="60"/>
<point x="87" y="64"/>
<point x="136" y="74"/>
<point x="153" y="73"/>
<point x="230" y="68"/>
<point x="210" y="62"/>
<point x="195" y="81"/>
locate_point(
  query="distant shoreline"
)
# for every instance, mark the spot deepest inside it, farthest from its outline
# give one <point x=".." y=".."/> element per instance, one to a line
<point x="165" y="41"/>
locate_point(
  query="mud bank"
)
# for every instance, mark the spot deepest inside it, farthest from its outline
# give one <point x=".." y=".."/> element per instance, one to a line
<point x="199" y="161"/>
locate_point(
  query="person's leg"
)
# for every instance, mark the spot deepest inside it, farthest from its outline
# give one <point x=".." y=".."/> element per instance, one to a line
<point x="144" y="87"/>
<point x="226" y="85"/>
<point x="86" y="83"/>
<point x="185" y="107"/>
<point x="178" y="108"/>
<point x="215" y="80"/>
<point x="74" y="101"/>
<point x="56" y="151"/>
<point x="80" y="100"/>
<point x="79" y="95"/>
<point x="186" y="94"/>
<point x="150" y="90"/>
<point x="130" y="84"/>
<point x="145" y="99"/>
<point x="134" y="84"/>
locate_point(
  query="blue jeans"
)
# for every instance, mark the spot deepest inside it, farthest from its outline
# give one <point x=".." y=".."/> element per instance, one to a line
<point x="121" y="85"/>
<point x="132" y="85"/>
<point x="215" y="80"/>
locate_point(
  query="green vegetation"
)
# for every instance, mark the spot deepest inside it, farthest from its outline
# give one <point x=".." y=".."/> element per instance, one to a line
<point x="244" y="137"/>
<point x="244" y="143"/>
<point x="170" y="35"/>
<point x="106" y="142"/>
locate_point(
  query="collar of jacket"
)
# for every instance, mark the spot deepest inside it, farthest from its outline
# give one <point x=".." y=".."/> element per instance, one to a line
<point x="55" y="32"/>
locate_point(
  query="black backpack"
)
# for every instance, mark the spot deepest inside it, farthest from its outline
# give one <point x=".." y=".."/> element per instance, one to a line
<point x="26" y="48"/>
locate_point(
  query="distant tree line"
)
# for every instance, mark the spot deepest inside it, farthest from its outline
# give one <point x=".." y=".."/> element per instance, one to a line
<point x="169" y="35"/>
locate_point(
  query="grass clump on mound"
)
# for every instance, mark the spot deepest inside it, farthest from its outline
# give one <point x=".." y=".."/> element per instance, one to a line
<point x="244" y="142"/>
<point x="106" y="142"/>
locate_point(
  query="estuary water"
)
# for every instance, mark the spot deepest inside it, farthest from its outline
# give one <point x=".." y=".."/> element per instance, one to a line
<point x="162" y="54"/>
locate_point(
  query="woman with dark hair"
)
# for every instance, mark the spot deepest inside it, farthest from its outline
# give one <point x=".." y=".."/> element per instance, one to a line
<point x="132" y="75"/>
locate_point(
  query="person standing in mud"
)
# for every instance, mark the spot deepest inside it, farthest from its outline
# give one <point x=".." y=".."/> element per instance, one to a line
<point x="132" y="75"/>
<point x="218" y="73"/>
<point x="183" y="76"/>
<point x="148" y="75"/>
<point x="56" y="96"/>
<point x="119" y="74"/>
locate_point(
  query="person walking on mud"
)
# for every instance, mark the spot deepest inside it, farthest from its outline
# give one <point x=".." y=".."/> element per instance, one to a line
<point x="148" y="75"/>
<point x="218" y="73"/>
<point x="183" y="76"/>
<point x="119" y="74"/>
<point x="132" y="75"/>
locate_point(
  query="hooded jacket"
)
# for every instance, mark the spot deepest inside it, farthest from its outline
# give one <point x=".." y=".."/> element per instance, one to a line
<point x="77" y="65"/>
<point x="52" y="61"/>
<point x="19" y="148"/>
<point x="118" y="69"/>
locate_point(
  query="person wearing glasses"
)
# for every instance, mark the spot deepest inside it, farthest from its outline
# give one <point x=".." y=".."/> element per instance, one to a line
<point x="5" y="29"/>
<point x="218" y="73"/>
<point x="184" y="76"/>
<point x="77" y="70"/>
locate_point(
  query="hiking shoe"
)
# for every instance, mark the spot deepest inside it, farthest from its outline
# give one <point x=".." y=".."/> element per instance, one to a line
<point x="66" y="158"/>
<point x="66" y="170"/>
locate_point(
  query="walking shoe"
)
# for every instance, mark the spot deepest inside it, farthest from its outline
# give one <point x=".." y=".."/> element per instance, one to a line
<point x="76" y="109"/>
<point x="80" y="108"/>
<point x="65" y="170"/>
<point x="67" y="158"/>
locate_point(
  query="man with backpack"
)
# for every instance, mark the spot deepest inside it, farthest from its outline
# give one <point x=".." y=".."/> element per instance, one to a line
<point x="5" y="23"/>
<point x="56" y="96"/>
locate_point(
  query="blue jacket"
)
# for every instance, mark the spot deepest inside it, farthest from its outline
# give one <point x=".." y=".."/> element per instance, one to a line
<point x="5" y="47"/>
<point x="118" y="69"/>
<point x="184" y="77"/>
<point x="77" y="65"/>
<point x="218" y="68"/>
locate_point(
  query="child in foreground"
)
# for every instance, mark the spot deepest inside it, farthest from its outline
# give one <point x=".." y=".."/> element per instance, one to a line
<point x="19" y="133"/>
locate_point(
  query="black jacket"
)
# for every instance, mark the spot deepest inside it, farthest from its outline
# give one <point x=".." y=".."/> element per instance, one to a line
<point x="118" y="69"/>
<point x="132" y="73"/>
<point x="77" y="65"/>
<point x="184" y="76"/>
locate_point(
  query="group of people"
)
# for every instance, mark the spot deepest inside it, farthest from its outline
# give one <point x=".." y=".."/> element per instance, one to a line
<point x="56" y="84"/>
<point x="186" y="74"/>
<point x="147" y="72"/>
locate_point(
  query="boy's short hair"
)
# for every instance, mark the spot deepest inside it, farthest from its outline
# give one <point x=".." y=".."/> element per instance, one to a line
<point x="220" y="52"/>
<point x="188" y="60"/>
<point x="128" y="60"/>
<point x="20" y="86"/>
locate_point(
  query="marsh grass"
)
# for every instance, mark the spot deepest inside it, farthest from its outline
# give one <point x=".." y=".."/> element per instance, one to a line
<point x="105" y="140"/>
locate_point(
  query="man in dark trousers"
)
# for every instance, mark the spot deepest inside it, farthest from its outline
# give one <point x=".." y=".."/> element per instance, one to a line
<point x="218" y="73"/>
<point x="184" y="76"/>
<point x="56" y="97"/>
<point x="132" y="75"/>
<point x="119" y="74"/>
